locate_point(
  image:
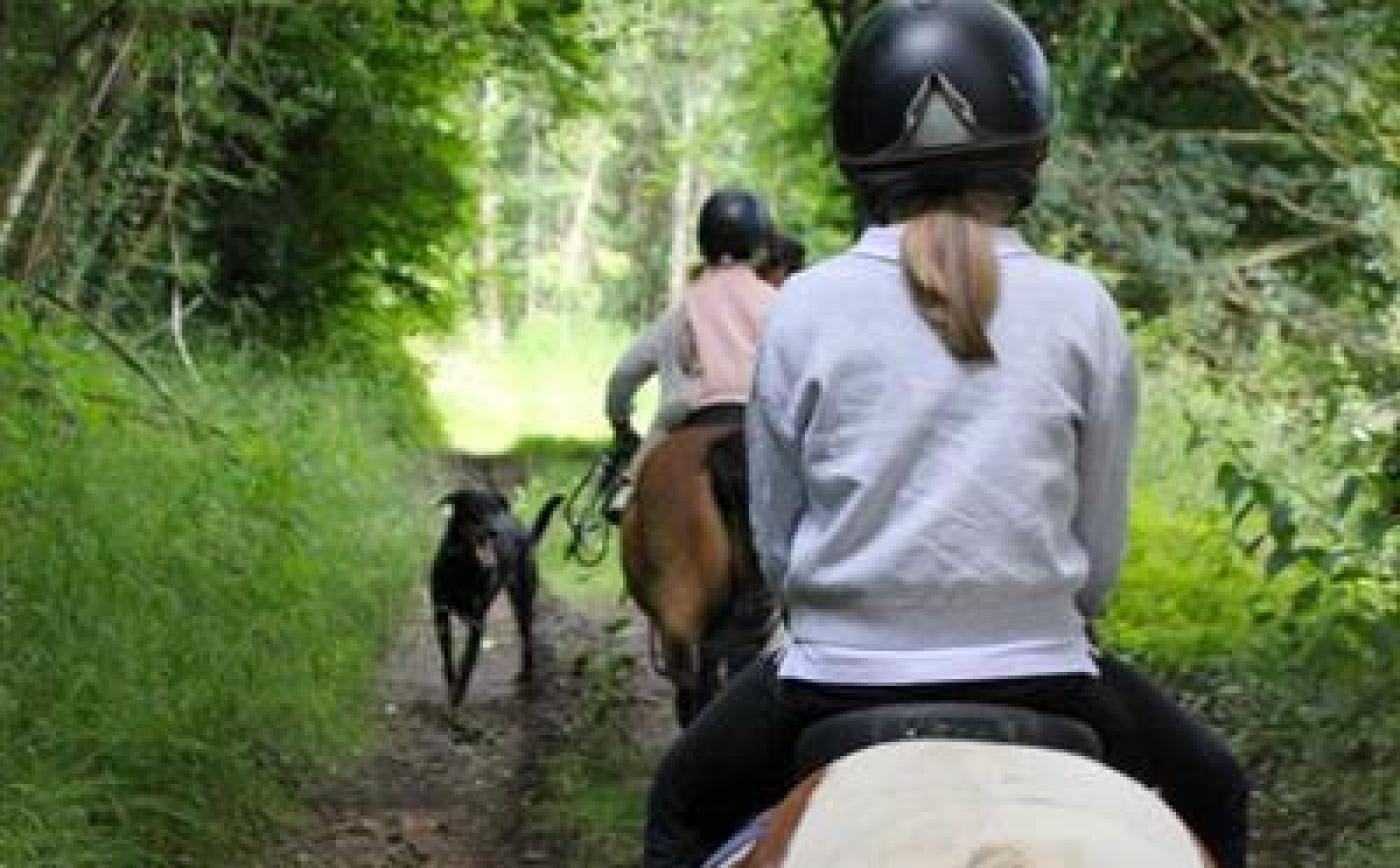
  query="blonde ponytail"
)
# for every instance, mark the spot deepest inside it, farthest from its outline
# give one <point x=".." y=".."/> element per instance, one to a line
<point x="949" y="258"/>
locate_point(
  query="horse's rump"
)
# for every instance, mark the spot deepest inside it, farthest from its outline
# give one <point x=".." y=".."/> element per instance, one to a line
<point x="960" y="804"/>
<point x="675" y="546"/>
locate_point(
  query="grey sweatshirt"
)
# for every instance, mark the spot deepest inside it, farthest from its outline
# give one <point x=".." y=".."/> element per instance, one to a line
<point x="924" y="519"/>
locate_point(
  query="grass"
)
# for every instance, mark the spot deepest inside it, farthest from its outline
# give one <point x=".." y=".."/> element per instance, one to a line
<point x="546" y="379"/>
<point x="596" y="788"/>
<point x="190" y="621"/>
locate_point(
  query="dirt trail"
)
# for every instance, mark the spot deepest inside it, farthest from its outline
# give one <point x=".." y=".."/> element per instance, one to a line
<point x="461" y="794"/>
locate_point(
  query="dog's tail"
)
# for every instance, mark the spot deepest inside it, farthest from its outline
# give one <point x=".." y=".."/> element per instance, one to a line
<point x="543" y="516"/>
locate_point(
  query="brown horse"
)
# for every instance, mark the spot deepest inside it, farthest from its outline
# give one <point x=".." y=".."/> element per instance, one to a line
<point x="688" y="558"/>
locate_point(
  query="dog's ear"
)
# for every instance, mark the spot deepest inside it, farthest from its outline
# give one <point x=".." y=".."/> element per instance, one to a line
<point x="453" y="499"/>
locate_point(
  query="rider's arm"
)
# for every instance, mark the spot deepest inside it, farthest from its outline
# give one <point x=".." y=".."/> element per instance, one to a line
<point x="776" y="495"/>
<point x="1105" y="447"/>
<point x="637" y="365"/>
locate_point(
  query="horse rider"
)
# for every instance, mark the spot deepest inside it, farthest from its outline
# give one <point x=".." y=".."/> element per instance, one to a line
<point x="702" y="348"/>
<point x="939" y="441"/>
<point x="784" y="257"/>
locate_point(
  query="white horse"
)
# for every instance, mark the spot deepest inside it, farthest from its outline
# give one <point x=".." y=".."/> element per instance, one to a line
<point x="967" y="804"/>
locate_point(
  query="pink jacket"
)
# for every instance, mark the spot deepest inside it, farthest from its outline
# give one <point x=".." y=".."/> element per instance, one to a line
<point x="723" y="313"/>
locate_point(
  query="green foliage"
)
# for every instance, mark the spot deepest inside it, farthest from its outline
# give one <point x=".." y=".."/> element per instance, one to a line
<point x="1285" y="661"/>
<point x="189" y="621"/>
<point x="783" y="108"/>
<point x="294" y="169"/>
<point x="549" y="375"/>
<point x="596" y="791"/>
<point x="1305" y="477"/>
<point x="1186" y="598"/>
<point x="1321" y="746"/>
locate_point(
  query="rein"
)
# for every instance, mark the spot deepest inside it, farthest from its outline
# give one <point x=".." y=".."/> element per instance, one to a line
<point x="589" y="531"/>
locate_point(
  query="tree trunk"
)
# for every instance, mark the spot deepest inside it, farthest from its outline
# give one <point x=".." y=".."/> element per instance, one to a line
<point x="488" y="279"/>
<point x="532" y="220"/>
<point x="573" y="258"/>
<point x="24" y="185"/>
<point x="682" y="197"/>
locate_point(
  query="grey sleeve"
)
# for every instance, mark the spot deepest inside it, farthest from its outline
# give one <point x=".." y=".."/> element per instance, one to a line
<point x="638" y="363"/>
<point x="1105" y="454"/>
<point x="776" y="498"/>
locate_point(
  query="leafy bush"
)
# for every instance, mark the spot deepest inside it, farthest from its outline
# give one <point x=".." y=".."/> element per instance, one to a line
<point x="1186" y="596"/>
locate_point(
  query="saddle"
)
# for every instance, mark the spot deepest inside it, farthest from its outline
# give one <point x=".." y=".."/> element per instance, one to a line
<point x="722" y="453"/>
<point x="829" y="740"/>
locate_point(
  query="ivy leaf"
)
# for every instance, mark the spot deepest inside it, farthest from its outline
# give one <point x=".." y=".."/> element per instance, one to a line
<point x="1281" y="524"/>
<point x="1307" y="597"/>
<point x="1253" y="545"/>
<point x="1347" y="496"/>
<point x="1230" y="482"/>
<point x="1374" y="527"/>
<point x="1279" y="560"/>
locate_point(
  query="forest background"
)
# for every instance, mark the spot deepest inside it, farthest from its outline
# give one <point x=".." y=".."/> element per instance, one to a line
<point x="258" y="258"/>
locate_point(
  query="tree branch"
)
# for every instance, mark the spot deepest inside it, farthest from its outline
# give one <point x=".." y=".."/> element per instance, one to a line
<point x="128" y="358"/>
<point x="1164" y="60"/>
<point x="82" y="35"/>
<point x="1256" y="86"/>
<point x="1287" y="248"/>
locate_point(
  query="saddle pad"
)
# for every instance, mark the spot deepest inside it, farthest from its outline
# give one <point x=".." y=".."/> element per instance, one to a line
<point x="958" y="804"/>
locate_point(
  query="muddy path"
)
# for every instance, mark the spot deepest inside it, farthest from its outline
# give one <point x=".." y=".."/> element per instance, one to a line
<point x="468" y="791"/>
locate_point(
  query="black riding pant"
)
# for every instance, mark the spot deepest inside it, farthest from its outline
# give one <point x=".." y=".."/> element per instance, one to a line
<point x="736" y="758"/>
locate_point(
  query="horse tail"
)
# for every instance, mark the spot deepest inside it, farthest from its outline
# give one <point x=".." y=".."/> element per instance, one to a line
<point x="543" y="516"/>
<point x="750" y="611"/>
<point x="727" y="463"/>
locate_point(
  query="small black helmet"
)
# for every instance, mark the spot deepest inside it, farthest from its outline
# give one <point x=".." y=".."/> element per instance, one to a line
<point x="933" y="97"/>
<point x="733" y="224"/>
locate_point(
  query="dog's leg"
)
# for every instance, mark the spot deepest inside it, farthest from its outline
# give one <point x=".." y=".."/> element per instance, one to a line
<point x="464" y="669"/>
<point x="442" y="623"/>
<point x="522" y="602"/>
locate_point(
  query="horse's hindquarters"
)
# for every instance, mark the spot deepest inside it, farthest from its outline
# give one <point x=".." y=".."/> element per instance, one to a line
<point x="675" y="551"/>
<point x="954" y="804"/>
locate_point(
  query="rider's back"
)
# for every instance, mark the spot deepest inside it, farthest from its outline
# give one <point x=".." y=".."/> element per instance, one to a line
<point x="948" y="515"/>
<point x="722" y="314"/>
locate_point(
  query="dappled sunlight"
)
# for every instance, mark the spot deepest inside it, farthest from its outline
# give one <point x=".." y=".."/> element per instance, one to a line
<point x="545" y="379"/>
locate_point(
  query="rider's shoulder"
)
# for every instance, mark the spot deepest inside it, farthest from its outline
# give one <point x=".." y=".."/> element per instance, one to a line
<point x="1063" y="284"/>
<point x="841" y="282"/>
<point x="833" y="274"/>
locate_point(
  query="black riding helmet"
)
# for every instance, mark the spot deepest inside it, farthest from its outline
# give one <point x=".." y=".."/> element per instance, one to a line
<point x="733" y="224"/>
<point x="933" y="97"/>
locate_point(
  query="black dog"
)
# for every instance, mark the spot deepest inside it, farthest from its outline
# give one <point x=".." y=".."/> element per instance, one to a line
<point x="484" y="548"/>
